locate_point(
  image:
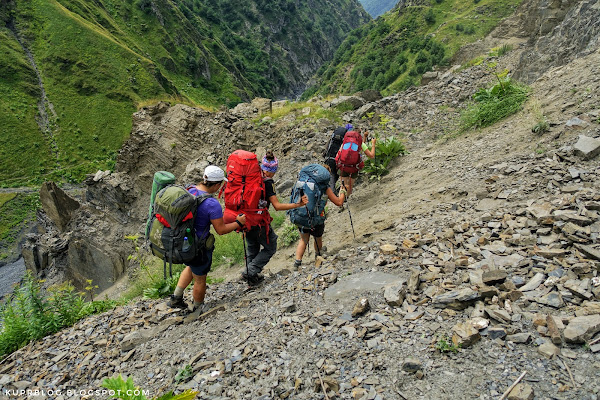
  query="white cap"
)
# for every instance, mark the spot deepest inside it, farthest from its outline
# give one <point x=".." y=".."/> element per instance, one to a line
<point x="212" y="173"/>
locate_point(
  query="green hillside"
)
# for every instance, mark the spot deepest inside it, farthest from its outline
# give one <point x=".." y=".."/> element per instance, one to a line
<point x="99" y="60"/>
<point x="377" y="7"/>
<point x="391" y="53"/>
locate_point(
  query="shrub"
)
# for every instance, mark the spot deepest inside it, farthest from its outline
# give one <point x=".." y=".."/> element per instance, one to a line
<point x="385" y="151"/>
<point x="30" y="313"/>
<point x="288" y="235"/>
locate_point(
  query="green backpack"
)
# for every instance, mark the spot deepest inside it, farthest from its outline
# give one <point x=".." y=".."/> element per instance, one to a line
<point x="172" y="235"/>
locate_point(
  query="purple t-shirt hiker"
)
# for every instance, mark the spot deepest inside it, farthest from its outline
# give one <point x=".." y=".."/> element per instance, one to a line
<point x="207" y="210"/>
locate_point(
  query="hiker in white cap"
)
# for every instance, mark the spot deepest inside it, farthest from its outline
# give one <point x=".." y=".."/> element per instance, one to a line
<point x="209" y="213"/>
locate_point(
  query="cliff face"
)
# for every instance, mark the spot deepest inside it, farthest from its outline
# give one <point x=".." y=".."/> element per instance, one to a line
<point x="559" y="32"/>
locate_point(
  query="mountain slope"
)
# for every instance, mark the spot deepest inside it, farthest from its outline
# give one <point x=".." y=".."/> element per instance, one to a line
<point x="89" y="64"/>
<point x="391" y="53"/>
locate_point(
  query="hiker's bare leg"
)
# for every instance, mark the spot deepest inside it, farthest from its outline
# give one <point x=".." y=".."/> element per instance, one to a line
<point x="185" y="278"/>
<point x="352" y="180"/>
<point x="346" y="183"/>
<point x="199" y="290"/>
<point x="304" y="238"/>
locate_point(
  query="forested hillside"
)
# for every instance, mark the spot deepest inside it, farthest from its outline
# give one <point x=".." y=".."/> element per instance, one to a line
<point x="377" y="7"/>
<point x="72" y="72"/>
<point x="391" y="53"/>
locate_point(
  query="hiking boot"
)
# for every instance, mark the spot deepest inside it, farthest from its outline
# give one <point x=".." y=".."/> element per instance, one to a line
<point x="177" y="302"/>
<point x="297" y="264"/>
<point x="342" y="208"/>
<point x="253" y="280"/>
<point x="247" y="278"/>
<point x="201" y="309"/>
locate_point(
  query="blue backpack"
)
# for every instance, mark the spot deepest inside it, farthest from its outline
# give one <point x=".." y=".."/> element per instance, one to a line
<point x="313" y="181"/>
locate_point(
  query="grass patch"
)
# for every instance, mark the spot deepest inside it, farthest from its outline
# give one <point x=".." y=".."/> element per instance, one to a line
<point x="445" y="345"/>
<point x="493" y="104"/>
<point x="31" y="314"/>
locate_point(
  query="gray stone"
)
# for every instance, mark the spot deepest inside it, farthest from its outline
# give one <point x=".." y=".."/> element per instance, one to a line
<point x="496" y="333"/>
<point x="493" y="277"/>
<point x="523" y="337"/>
<point x="456" y="299"/>
<point x="394" y="294"/>
<point x="582" y="329"/>
<point x="552" y="299"/>
<point x="412" y="364"/>
<point x="361" y="307"/>
<point x="522" y="391"/>
<point x="533" y="283"/>
<point x="464" y="334"/>
<point x="588" y="251"/>
<point x="587" y="147"/>
<point x="548" y="350"/>
<point x="359" y="283"/>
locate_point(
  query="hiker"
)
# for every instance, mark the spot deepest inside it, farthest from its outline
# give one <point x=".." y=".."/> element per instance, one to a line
<point x="349" y="160"/>
<point x="335" y="142"/>
<point x="313" y="182"/>
<point x="209" y="213"/>
<point x="264" y="236"/>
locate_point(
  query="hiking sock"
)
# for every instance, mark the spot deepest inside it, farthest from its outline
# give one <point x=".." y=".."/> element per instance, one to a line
<point x="197" y="304"/>
<point x="178" y="291"/>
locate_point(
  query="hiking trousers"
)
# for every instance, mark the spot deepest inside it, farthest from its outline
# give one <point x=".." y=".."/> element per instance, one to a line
<point x="256" y="238"/>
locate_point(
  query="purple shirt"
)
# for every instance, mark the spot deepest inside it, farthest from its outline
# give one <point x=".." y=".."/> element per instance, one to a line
<point x="207" y="210"/>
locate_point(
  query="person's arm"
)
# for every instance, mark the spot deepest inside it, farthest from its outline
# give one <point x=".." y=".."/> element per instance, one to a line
<point x="338" y="201"/>
<point x="287" y="206"/>
<point x="222" y="228"/>
<point x="370" y="153"/>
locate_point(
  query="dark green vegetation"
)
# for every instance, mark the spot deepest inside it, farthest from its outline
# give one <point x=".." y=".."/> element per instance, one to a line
<point x="30" y="314"/>
<point x="495" y="103"/>
<point x="391" y="53"/>
<point x="16" y="212"/>
<point x="377" y="7"/>
<point x="100" y="60"/>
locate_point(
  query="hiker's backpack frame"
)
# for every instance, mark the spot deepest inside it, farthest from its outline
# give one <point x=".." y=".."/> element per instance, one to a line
<point x="313" y="181"/>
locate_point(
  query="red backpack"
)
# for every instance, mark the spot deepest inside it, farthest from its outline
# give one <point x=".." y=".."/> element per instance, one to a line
<point x="348" y="158"/>
<point x="244" y="190"/>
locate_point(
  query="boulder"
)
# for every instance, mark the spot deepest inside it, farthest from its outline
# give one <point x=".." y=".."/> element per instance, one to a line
<point x="58" y="205"/>
<point x="587" y="147"/>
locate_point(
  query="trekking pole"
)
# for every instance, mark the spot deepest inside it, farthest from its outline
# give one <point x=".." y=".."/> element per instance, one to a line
<point x="245" y="254"/>
<point x="349" y="213"/>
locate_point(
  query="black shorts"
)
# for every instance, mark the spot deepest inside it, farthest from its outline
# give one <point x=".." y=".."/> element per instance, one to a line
<point x="344" y="174"/>
<point x="317" y="231"/>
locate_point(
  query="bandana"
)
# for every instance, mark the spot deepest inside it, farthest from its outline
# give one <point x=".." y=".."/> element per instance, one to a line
<point x="270" y="166"/>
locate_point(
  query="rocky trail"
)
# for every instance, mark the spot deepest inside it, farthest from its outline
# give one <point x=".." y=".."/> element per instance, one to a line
<point x="476" y="261"/>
